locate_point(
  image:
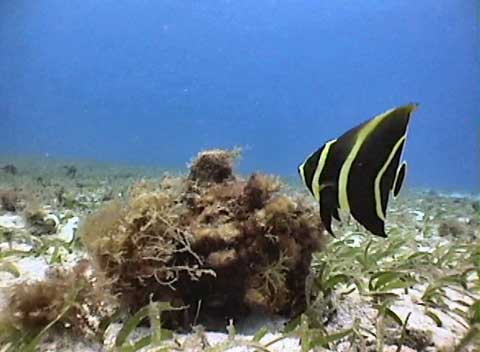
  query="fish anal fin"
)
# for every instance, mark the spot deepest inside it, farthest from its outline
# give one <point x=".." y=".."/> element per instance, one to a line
<point x="374" y="225"/>
<point x="335" y="214"/>
<point x="326" y="218"/>
<point x="378" y="231"/>
<point x="381" y="234"/>
<point x="330" y="231"/>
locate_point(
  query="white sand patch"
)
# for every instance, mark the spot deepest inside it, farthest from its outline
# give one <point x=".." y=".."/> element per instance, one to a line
<point x="198" y="341"/>
<point x="350" y="308"/>
<point x="217" y="338"/>
<point x="23" y="247"/>
<point x="66" y="232"/>
<point x="30" y="268"/>
<point x="419" y="215"/>
<point x="12" y="221"/>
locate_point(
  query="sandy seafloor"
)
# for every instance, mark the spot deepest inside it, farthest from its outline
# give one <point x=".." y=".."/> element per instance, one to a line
<point x="94" y="184"/>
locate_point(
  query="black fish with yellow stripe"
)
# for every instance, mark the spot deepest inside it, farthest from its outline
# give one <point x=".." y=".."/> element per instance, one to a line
<point x="357" y="171"/>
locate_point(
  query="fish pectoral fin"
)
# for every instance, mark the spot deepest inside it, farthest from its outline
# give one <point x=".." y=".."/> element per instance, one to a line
<point x="399" y="179"/>
<point x="326" y="185"/>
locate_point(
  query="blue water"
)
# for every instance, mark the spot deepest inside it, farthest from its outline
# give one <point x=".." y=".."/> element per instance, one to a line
<point x="153" y="82"/>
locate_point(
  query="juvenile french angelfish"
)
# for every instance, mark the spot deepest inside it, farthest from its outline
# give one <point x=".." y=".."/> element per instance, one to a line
<point x="357" y="171"/>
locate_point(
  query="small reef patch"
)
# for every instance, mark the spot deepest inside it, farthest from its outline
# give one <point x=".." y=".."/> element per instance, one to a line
<point x="213" y="242"/>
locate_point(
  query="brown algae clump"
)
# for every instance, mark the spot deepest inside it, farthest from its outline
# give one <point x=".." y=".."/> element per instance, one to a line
<point x="39" y="221"/>
<point x="74" y="299"/>
<point x="213" y="242"/>
<point x="213" y="165"/>
<point x="11" y="200"/>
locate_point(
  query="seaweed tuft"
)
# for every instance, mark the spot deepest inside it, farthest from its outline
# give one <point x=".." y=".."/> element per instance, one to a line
<point x="456" y="229"/>
<point x="259" y="189"/>
<point x="213" y="165"/>
<point x="76" y="300"/>
<point x="11" y="200"/>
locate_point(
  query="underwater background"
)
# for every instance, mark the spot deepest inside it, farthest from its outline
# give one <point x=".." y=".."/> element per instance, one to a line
<point x="154" y="82"/>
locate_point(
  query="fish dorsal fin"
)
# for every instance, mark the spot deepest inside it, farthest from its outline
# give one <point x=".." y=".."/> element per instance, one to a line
<point x="308" y="168"/>
<point x="317" y="184"/>
<point x="399" y="179"/>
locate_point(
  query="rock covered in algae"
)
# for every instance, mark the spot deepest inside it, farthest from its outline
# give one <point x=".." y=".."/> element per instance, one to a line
<point x="218" y="244"/>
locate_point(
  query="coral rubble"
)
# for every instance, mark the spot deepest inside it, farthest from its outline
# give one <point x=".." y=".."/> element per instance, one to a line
<point x="213" y="242"/>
